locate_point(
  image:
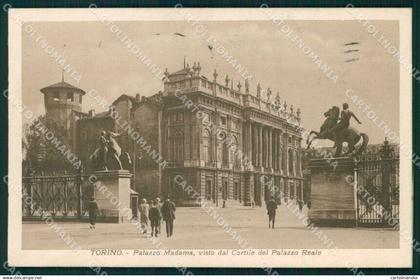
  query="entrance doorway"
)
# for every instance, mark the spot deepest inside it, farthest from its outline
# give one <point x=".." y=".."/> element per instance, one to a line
<point x="224" y="189"/>
<point x="209" y="190"/>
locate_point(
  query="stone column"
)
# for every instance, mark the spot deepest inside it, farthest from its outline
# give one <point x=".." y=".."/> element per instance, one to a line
<point x="249" y="143"/>
<point x="279" y="155"/>
<point x="285" y="154"/>
<point x="275" y="149"/>
<point x="293" y="157"/>
<point x="260" y="143"/>
<point x="276" y="157"/>
<point x="270" y="147"/>
<point x="267" y="143"/>
<point x="254" y="145"/>
<point x="265" y="135"/>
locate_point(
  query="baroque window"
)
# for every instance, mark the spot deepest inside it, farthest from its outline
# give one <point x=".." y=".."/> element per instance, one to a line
<point x="225" y="153"/>
<point x="223" y="121"/>
<point x="177" y="147"/>
<point x="291" y="161"/>
<point x="206" y="146"/>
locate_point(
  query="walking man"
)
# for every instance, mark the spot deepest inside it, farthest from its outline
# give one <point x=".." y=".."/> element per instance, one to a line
<point x="144" y="215"/>
<point x="154" y="217"/>
<point x="168" y="215"/>
<point x="159" y="206"/>
<point x="93" y="212"/>
<point x="271" y="212"/>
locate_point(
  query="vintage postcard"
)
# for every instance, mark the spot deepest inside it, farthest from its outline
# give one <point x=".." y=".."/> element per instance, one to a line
<point x="258" y="137"/>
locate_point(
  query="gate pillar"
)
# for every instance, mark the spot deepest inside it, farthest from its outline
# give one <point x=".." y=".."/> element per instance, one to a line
<point x="333" y="192"/>
<point x="112" y="193"/>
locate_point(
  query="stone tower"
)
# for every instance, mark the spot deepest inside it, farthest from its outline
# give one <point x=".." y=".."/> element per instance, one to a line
<point x="63" y="104"/>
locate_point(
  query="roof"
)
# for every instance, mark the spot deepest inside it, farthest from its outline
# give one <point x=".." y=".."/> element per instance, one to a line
<point x="60" y="85"/>
<point x="180" y="72"/>
<point x="125" y="96"/>
<point x="148" y="100"/>
<point x="101" y="115"/>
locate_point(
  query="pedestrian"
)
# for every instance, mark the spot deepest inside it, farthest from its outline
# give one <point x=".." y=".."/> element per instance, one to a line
<point x="168" y="215"/>
<point x="154" y="217"/>
<point x="159" y="206"/>
<point x="271" y="212"/>
<point x="144" y="215"/>
<point x="93" y="212"/>
<point x="300" y="203"/>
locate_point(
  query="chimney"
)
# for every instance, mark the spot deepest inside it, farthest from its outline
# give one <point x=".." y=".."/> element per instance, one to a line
<point x="91" y="113"/>
<point x="137" y="97"/>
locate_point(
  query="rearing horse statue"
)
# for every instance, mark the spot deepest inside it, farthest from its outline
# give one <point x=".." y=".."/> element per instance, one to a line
<point x="108" y="156"/>
<point x="349" y="135"/>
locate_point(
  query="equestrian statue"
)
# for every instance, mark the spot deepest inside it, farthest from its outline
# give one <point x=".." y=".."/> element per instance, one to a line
<point x="108" y="155"/>
<point x="339" y="131"/>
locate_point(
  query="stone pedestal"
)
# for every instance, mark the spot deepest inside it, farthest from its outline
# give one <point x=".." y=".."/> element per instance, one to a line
<point x="112" y="193"/>
<point x="333" y="192"/>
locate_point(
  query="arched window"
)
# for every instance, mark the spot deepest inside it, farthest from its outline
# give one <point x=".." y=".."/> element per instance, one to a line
<point x="177" y="147"/>
<point x="206" y="146"/>
<point x="291" y="161"/>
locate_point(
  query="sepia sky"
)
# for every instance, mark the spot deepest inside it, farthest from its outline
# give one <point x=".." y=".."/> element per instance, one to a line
<point x="269" y="56"/>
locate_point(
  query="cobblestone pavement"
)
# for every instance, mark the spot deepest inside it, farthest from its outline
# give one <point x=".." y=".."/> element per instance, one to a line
<point x="194" y="228"/>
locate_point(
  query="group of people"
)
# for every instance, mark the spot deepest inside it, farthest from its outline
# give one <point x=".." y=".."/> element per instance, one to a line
<point x="166" y="211"/>
<point x="155" y="213"/>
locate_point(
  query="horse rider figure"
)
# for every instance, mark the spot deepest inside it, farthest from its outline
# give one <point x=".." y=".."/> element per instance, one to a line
<point x="103" y="151"/>
<point x="338" y="130"/>
<point x="114" y="151"/>
<point x="107" y="156"/>
<point x="344" y="122"/>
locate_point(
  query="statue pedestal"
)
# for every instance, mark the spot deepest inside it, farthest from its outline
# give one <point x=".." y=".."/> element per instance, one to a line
<point x="112" y="194"/>
<point x="333" y="192"/>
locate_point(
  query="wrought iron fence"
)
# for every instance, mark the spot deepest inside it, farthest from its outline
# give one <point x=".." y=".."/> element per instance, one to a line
<point x="378" y="188"/>
<point x="63" y="196"/>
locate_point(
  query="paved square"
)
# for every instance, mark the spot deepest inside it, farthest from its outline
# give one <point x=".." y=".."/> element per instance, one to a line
<point x="194" y="228"/>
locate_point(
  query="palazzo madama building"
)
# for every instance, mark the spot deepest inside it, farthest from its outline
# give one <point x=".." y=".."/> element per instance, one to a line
<point x="233" y="145"/>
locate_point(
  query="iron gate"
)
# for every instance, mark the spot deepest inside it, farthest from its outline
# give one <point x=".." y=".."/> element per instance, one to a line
<point x="378" y="188"/>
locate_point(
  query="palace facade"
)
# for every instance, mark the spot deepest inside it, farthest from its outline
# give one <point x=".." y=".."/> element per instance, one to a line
<point x="232" y="145"/>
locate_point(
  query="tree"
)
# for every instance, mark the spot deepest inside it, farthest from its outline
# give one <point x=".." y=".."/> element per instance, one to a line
<point x="42" y="145"/>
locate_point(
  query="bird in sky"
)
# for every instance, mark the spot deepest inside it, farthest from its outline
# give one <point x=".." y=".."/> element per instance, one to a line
<point x="179" y="34"/>
<point x="210" y="46"/>
<point x="349" y="51"/>
<point x="351" y="59"/>
<point x="351" y="43"/>
<point x="156" y="34"/>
